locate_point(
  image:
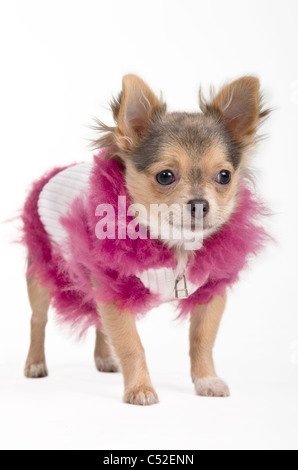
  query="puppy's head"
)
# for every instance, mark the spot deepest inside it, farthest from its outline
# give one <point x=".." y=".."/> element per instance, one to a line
<point x="193" y="159"/>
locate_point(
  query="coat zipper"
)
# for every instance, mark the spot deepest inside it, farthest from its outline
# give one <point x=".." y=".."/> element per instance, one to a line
<point x="180" y="291"/>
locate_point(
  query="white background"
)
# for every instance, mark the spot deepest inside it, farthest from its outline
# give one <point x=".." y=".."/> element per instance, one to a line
<point x="61" y="61"/>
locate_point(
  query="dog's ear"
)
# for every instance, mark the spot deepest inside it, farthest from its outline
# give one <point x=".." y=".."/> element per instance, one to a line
<point x="138" y="107"/>
<point x="239" y="106"/>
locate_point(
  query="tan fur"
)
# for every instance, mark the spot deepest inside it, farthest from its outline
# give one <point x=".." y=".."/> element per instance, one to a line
<point x="144" y="188"/>
<point x="142" y="104"/>
<point x="222" y="199"/>
<point x="130" y="352"/>
<point x="103" y="354"/>
<point x="203" y="331"/>
<point x="39" y="300"/>
<point x="204" y="326"/>
<point x="130" y="128"/>
<point x="240" y="105"/>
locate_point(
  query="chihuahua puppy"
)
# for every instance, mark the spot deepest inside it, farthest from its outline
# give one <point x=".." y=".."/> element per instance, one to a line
<point x="197" y="160"/>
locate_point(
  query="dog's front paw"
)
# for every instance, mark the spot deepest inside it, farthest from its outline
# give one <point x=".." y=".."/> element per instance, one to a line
<point x="212" y="387"/>
<point x="108" y="364"/>
<point x="36" y="371"/>
<point x="142" y="396"/>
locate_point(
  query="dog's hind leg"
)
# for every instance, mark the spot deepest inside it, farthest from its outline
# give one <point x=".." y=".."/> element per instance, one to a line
<point x="105" y="360"/>
<point x="39" y="300"/>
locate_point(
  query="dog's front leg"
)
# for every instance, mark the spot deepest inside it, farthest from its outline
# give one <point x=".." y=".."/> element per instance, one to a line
<point x="121" y="329"/>
<point x="204" y="326"/>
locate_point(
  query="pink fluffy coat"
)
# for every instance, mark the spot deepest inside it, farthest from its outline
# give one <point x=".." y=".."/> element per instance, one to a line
<point x="115" y="263"/>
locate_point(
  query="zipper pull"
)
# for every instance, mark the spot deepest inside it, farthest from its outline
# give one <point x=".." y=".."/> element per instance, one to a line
<point x="181" y="294"/>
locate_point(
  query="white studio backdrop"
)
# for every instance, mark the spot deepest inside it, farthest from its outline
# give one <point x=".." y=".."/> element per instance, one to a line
<point x="61" y="61"/>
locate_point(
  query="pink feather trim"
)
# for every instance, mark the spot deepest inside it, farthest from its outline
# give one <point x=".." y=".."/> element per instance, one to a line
<point x="113" y="264"/>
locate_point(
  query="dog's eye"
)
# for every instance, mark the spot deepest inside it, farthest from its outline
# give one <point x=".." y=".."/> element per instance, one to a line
<point x="224" y="177"/>
<point x="165" y="178"/>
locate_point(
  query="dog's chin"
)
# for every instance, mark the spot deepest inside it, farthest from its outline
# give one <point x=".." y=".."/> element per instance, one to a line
<point x="186" y="244"/>
<point x="191" y="239"/>
<point x="209" y="231"/>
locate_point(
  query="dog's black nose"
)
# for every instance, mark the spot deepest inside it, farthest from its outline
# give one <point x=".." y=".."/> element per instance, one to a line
<point x="195" y="206"/>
